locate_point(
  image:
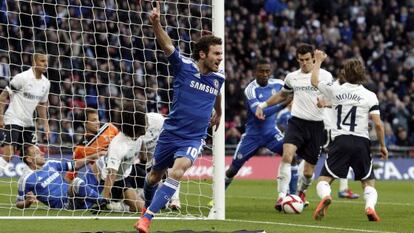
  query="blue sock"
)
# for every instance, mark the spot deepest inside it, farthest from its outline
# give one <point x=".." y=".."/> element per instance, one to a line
<point x="293" y="185"/>
<point x="149" y="192"/>
<point x="163" y="195"/>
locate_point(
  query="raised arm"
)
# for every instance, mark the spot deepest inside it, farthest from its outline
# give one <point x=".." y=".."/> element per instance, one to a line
<point x="162" y="37"/>
<point x="3" y="97"/>
<point x="319" y="58"/>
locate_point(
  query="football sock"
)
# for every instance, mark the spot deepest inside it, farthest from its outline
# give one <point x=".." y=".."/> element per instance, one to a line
<point x="323" y="189"/>
<point x="304" y="182"/>
<point x="283" y="178"/>
<point x="163" y="195"/>
<point x="149" y="192"/>
<point x="293" y="184"/>
<point x="370" y="196"/>
<point x="343" y="185"/>
<point x="176" y="195"/>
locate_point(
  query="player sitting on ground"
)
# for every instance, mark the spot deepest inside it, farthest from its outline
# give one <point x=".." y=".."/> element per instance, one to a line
<point x="354" y="105"/>
<point x="45" y="183"/>
<point x="116" y="166"/>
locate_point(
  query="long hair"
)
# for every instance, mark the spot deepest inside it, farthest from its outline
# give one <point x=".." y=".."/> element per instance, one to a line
<point x="353" y="71"/>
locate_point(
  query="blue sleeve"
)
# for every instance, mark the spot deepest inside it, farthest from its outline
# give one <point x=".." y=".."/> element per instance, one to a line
<point x="175" y="61"/>
<point x="252" y="103"/>
<point x="61" y="165"/>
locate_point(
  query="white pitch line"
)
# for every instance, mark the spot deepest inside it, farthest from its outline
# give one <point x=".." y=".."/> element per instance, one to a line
<point x="309" y="226"/>
<point x="335" y="200"/>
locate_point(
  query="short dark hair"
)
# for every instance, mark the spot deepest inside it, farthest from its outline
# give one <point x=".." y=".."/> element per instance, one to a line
<point x="38" y="52"/>
<point x="261" y="61"/>
<point x="132" y="120"/>
<point x="26" y="152"/>
<point x="304" y="48"/>
<point x="354" y="71"/>
<point x="90" y="111"/>
<point x="203" y="44"/>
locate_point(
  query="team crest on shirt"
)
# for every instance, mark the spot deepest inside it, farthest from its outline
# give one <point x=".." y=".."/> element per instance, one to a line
<point x="216" y="83"/>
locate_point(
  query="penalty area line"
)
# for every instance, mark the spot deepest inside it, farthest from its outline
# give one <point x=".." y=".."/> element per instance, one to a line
<point x="308" y="226"/>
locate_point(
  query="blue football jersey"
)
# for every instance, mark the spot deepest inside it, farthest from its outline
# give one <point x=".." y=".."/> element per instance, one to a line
<point x="47" y="184"/>
<point x="255" y="94"/>
<point x="283" y="118"/>
<point x="193" y="100"/>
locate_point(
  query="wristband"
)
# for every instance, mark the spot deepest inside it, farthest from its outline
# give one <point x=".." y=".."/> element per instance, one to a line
<point x="263" y="105"/>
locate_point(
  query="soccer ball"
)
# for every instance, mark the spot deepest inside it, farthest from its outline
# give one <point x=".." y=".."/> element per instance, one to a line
<point x="292" y="204"/>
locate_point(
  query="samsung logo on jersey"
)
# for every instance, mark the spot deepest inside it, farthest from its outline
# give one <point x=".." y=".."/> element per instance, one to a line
<point x="32" y="97"/>
<point x="50" y="179"/>
<point x="203" y="87"/>
<point x="305" y="88"/>
<point x="349" y="96"/>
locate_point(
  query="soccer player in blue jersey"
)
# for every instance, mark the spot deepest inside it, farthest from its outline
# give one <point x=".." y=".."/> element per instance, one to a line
<point x="259" y="133"/>
<point x="45" y="183"/>
<point x="196" y="87"/>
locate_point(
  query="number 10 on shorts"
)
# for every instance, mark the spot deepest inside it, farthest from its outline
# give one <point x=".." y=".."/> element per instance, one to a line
<point x="193" y="152"/>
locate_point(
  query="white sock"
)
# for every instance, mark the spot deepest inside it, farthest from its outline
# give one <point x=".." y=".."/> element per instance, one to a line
<point x="303" y="183"/>
<point x="370" y="196"/>
<point x="176" y="195"/>
<point x="343" y="185"/>
<point x="3" y="163"/>
<point x="283" y="178"/>
<point x="323" y="189"/>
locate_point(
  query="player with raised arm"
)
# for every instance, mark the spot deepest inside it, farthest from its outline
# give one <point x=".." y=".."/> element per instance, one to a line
<point x="28" y="91"/>
<point x="196" y="86"/>
<point x="259" y="133"/>
<point x="354" y="105"/>
<point x="304" y="135"/>
<point x="44" y="182"/>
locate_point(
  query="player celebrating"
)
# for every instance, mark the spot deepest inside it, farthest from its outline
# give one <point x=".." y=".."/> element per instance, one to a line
<point x="196" y="90"/>
<point x="259" y="133"/>
<point x="45" y="183"/>
<point x="28" y="91"/>
<point x="305" y="129"/>
<point x="354" y="104"/>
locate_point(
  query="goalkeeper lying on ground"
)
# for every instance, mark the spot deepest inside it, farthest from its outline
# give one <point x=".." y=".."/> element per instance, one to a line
<point x="44" y="182"/>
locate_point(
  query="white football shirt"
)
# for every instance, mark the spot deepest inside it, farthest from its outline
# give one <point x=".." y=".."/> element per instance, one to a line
<point x="352" y="104"/>
<point x="120" y="157"/>
<point x="25" y="92"/>
<point x="305" y="95"/>
<point x="154" y="122"/>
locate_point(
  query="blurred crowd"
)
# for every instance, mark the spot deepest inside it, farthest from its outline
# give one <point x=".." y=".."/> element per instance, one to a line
<point x="99" y="52"/>
<point x="104" y="50"/>
<point x="381" y="33"/>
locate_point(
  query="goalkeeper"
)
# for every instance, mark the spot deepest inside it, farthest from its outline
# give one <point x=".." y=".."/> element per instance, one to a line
<point x="45" y="183"/>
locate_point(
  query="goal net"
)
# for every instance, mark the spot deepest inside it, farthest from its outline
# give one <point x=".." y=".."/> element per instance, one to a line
<point x="99" y="53"/>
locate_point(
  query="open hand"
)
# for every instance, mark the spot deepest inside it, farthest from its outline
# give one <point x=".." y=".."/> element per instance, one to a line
<point x="155" y="14"/>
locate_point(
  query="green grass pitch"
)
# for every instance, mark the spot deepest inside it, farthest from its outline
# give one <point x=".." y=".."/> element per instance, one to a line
<point x="249" y="206"/>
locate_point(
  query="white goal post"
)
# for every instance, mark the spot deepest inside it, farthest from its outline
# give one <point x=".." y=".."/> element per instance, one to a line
<point x="75" y="70"/>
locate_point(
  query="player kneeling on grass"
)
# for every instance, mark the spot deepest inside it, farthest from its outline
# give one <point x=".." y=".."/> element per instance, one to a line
<point x="116" y="166"/>
<point x="44" y="182"/>
<point x="354" y="104"/>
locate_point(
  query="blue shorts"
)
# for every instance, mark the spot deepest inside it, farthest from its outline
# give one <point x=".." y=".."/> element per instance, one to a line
<point x="170" y="146"/>
<point x="248" y="146"/>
